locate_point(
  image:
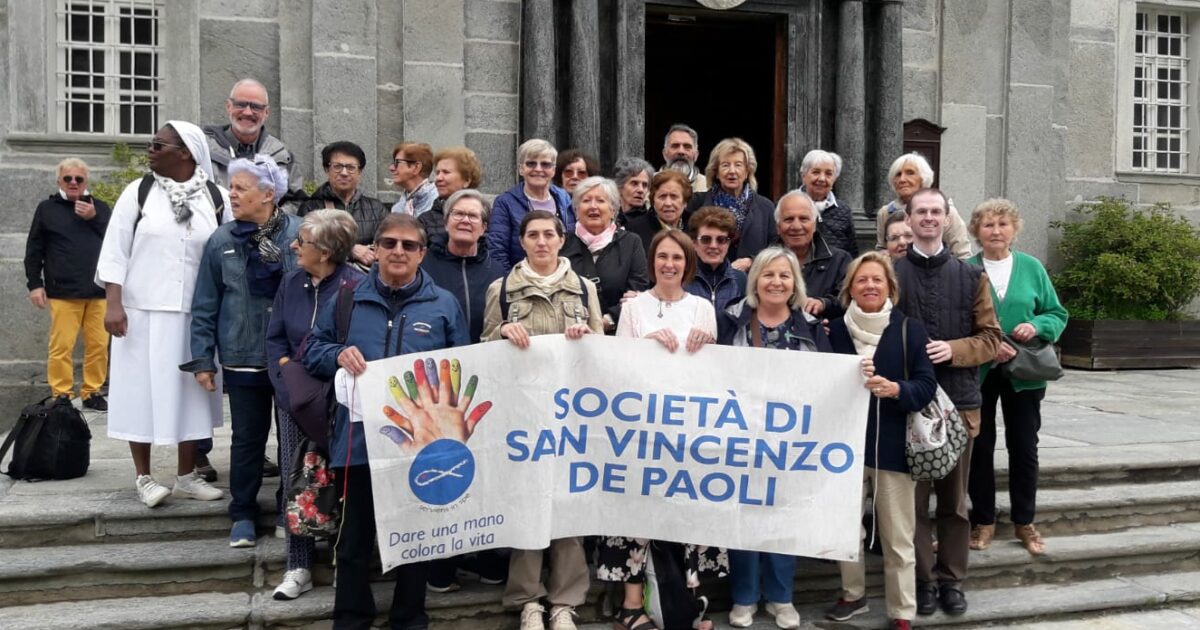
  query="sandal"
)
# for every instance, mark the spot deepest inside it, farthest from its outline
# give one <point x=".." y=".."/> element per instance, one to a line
<point x="1030" y="538"/>
<point x="981" y="536"/>
<point x="628" y="618"/>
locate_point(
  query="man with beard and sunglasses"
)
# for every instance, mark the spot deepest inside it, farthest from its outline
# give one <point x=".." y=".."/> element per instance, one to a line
<point x="681" y="149"/>
<point x="60" y="264"/>
<point x="245" y="136"/>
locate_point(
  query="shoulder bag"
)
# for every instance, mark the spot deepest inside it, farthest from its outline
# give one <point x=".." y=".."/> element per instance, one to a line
<point x="936" y="436"/>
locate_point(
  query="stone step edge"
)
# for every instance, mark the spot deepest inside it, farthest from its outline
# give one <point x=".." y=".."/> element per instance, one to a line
<point x="258" y="609"/>
<point x="22" y="567"/>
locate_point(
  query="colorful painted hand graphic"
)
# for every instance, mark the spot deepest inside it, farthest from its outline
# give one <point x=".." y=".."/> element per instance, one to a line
<point x="432" y="405"/>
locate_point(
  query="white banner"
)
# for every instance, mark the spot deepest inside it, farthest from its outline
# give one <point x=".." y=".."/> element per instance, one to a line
<point x="491" y="446"/>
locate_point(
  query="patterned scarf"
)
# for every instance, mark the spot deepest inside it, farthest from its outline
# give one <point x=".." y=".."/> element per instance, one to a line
<point x="739" y="205"/>
<point x="264" y="267"/>
<point x="186" y="197"/>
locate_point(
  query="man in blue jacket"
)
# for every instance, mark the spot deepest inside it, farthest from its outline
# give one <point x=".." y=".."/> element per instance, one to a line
<point x="397" y="309"/>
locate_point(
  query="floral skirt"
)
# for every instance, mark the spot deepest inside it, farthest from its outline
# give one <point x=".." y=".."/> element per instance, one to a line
<point x="624" y="560"/>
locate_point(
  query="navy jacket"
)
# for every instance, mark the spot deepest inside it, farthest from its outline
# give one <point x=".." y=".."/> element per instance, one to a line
<point x="721" y="286"/>
<point x="466" y="277"/>
<point x="804" y="330"/>
<point x="915" y="393"/>
<point x="64" y="249"/>
<point x="504" y="226"/>
<point x="756" y="234"/>
<point x="429" y="319"/>
<point x="225" y="316"/>
<point x="295" y="311"/>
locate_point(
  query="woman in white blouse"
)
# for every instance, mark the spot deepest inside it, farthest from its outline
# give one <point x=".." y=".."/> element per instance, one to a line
<point x="667" y="313"/>
<point x="148" y="266"/>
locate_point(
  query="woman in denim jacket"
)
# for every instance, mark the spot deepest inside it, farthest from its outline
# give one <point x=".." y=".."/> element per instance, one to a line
<point x="240" y="271"/>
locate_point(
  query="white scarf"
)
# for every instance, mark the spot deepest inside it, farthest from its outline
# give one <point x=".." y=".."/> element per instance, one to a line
<point x="549" y="283"/>
<point x="186" y="197"/>
<point x="866" y="328"/>
<point x="821" y="206"/>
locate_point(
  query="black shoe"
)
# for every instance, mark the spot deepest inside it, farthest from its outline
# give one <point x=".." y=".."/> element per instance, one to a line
<point x="95" y="402"/>
<point x="927" y="599"/>
<point x="954" y="602"/>
<point x="270" y="468"/>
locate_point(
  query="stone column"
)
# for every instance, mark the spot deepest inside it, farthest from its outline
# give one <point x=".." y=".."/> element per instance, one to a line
<point x="344" y="76"/>
<point x="889" y="126"/>
<point x="631" y="79"/>
<point x="850" y="118"/>
<point x="583" y="114"/>
<point x="538" y="69"/>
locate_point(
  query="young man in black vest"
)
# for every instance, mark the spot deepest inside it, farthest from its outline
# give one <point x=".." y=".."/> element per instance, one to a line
<point x="953" y="299"/>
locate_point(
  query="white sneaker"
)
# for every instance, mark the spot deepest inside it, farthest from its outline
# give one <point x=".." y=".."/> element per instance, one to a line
<point x="531" y="616"/>
<point x="150" y="491"/>
<point x="562" y="618"/>
<point x="785" y="615"/>
<point x="742" y="616"/>
<point x="193" y="486"/>
<point x="295" y="583"/>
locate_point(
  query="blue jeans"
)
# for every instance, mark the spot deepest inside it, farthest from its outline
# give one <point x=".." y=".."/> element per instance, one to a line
<point x="250" y="413"/>
<point x="755" y="575"/>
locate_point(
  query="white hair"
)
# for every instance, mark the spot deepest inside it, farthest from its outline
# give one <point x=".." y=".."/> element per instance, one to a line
<point x="269" y="175"/>
<point x="533" y="148"/>
<point x="817" y="156"/>
<point x="795" y="194"/>
<point x="917" y="160"/>
<point x="256" y="83"/>
<point x="607" y="185"/>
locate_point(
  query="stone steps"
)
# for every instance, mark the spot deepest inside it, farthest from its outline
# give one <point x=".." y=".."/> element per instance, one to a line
<point x="1104" y="508"/>
<point x="476" y="609"/>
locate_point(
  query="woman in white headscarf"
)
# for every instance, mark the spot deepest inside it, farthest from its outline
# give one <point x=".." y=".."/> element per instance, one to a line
<point x="148" y="266"/>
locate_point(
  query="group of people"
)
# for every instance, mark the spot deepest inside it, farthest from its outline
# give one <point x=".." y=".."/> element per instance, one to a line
<point x="215" y="271"/>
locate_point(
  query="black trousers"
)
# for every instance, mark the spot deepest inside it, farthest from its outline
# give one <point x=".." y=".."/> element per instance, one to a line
<point x="1022" y="421"/>
<point x="353" y="603"/>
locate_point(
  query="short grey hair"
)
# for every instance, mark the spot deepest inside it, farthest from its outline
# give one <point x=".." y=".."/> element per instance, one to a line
<point x="332" y="231"/>
<point x="682" y="127"/>
<point x="467" y="193"/>
<point x="269" y="175"/>
<point x="766" y="257"/>
<point x="917" y="160"/>
<point x="534" y="147"/>
<point x="795" y="194"/>
<point x="71" y="162"/>
<point x="607" y="185"/>
<point x="817" y="156"/>
<point x="256" y="83"/>
<point x="629" y="167"/>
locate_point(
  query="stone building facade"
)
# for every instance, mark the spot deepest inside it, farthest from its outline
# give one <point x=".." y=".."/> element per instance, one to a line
<point x="1037" y="98"/>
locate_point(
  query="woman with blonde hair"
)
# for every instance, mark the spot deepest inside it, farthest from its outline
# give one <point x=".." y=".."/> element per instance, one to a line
<point x="730" y="174"/>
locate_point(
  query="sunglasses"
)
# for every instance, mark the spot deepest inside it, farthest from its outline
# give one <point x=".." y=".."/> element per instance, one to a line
<point x="709" y="239"/>
<point x="254" y="107"/>
<point x="159" y="145"/>
<point x="73" y="179"/>
<point x="532" y="164"/>
<point x="391" y="243"/>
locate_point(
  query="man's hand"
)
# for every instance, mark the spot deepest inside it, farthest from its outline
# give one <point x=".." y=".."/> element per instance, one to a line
<point x="352" y="360"/>
<point x="85" y="210"/>
<point x="207" y="380"/>
<point x="37" y="297"/>
<point x="939" y="351"/>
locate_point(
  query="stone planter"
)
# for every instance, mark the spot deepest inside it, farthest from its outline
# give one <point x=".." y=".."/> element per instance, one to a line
<point x="1106" y="344"/>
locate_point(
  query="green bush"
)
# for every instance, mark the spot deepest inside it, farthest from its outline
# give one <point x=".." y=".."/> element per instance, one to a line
<point x="1122" y="263"/>
<point x="130" y="166"/>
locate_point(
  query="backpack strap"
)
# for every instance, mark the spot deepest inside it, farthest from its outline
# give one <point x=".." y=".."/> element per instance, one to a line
<point x="214" y="195"/>
<point x="8" y="442"/>
<point x="35" y="428"/>
<point x="218" y="202"/>
<point x="904" y="343"/>
<point x="343" y="310"/>
<point x="504" y="300"/>
<point x="756" y="339"/>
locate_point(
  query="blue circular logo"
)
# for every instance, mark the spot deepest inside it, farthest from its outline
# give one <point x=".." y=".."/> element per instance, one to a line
<point x="442" y="472"/>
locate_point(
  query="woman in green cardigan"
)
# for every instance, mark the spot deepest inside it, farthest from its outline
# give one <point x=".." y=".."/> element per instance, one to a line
<point x="1027" y="307"/>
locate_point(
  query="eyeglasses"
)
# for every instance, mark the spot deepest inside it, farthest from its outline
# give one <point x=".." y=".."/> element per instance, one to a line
<point x="545" y="166"/>
<point x="158" y="145"/>
<point x="300" y="242"/>
<point x="73" y="179"/>
<point x="257" y="108"/>
<point x="459" y="215"/>
<point x="399" y="161"/>
<point x="574" y="172"/>
<point x="709" y="239"/>
<point x="338" y="168"/>
<point x="388" y="242"/>
<point x="892" y="238"/>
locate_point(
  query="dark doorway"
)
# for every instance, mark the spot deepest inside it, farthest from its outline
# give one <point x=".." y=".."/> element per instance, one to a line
<point x="724" y="74"/>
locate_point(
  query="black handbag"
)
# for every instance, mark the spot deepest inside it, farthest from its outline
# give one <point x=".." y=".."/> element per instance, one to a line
<point x="308" y="400"/>
<point x="52" y="441"/>
<point x="1036" y="360"/>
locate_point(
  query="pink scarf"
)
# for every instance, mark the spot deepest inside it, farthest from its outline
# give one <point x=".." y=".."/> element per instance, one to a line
<point x="595" y="242"/>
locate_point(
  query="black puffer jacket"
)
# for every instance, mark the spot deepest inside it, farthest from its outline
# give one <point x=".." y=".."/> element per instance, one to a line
<point x="434" y="220"/>
<point x="62" y="250"/>
<point x="836" y="224"/>
<point x="367" y="211"/>
<point x="824" y="275"/>
<point x="620" y="267"/>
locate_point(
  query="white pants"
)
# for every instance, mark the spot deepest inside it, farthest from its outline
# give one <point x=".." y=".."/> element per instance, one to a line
<point x="896" y="518"/>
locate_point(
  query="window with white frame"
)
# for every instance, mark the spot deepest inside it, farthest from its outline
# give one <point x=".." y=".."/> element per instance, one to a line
<point x="107" y="73"/>
<point x="1161" y="89"/>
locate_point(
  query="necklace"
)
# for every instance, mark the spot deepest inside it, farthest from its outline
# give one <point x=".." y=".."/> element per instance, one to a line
<point x="665" y="302"/>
